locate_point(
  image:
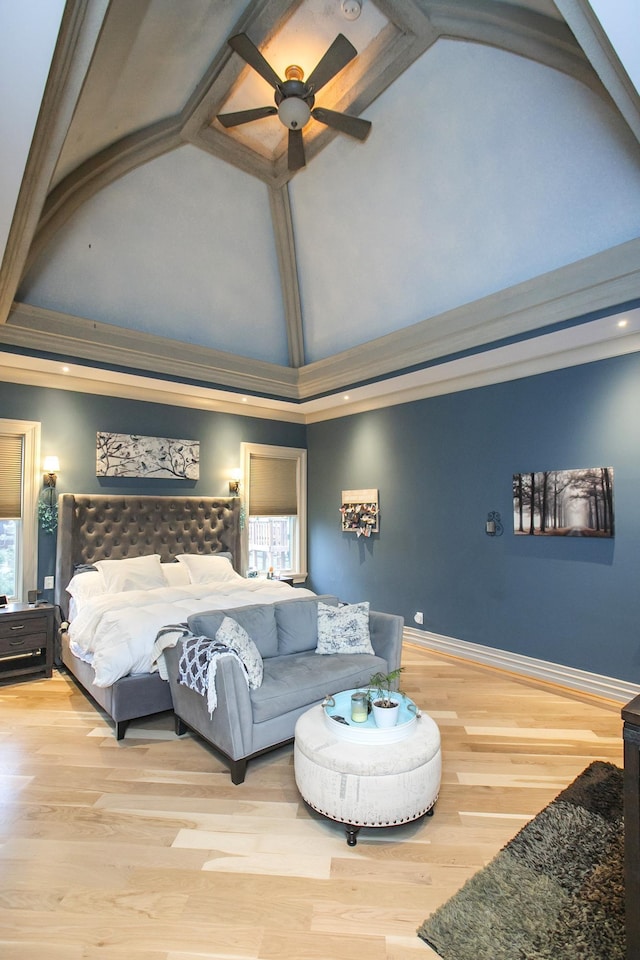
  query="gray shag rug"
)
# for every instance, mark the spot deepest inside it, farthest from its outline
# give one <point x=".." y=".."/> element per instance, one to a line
<point x="554" y="892"/>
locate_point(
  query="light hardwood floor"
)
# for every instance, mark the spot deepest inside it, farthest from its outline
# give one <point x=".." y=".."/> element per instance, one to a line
<point x="144" y="850"/>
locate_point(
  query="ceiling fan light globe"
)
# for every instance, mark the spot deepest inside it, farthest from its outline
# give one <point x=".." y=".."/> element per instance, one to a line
<point x="294" y="113"/>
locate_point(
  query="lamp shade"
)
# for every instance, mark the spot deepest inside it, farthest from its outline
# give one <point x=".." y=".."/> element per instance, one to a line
<point x="294" y="113"/>
<point x="51" y="464"/>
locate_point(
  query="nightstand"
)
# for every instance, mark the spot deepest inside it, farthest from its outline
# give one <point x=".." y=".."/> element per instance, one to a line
<point x="26" y="641"/>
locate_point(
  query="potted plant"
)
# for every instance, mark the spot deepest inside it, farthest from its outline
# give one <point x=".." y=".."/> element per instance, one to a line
<point x="384" y="702"/>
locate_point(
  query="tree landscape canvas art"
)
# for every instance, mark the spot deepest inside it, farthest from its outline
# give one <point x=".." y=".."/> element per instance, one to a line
<point x="564" y="503"/>
<point x="130" y="455"/>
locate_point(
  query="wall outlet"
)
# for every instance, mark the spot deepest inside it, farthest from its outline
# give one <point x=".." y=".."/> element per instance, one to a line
<point x="48" y="583"/>
<point x="418" y="618"/>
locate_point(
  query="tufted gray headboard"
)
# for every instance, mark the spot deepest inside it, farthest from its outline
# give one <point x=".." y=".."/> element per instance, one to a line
<point x="95" y="527"/>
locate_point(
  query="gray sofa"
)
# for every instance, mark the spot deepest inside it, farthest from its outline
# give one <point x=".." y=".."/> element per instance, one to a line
<point x="246" y="723"/>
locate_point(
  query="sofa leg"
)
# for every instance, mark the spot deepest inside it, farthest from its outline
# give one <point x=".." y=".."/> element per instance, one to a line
<point x="238" y="770"/>
<point x="179" y="726"/>
<point x="121" y="726"/>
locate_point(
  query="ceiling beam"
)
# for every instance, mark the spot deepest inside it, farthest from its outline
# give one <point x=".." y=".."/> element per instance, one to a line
<point x="77" y="39"/>
<point x="605" y="61"/>
<point x="286" y="250"/>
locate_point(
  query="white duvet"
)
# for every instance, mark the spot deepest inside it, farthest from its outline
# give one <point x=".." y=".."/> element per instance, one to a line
<point x="116" y="632"/>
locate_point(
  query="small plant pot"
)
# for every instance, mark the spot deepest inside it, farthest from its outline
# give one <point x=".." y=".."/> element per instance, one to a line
<point x="386" y="716"/>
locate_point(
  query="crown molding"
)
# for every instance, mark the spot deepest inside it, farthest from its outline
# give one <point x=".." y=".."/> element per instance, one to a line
<point x="598" y="283"/>
<point x="598" y="339"/>
<point x="47" y="331"/>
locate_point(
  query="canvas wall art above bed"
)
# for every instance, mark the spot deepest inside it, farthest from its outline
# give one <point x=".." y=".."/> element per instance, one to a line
<point x="128" y="566"/>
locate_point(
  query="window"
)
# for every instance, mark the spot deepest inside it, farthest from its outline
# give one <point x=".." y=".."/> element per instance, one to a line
<point x="275" y="501"/>
<point x="19" y="455"/>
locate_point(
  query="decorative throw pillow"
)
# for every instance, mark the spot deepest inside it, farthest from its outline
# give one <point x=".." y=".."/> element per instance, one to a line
<point x="232" y="635"/>
<point x="344" y="629"/>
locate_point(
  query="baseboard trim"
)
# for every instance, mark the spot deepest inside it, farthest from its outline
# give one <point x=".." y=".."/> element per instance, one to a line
<point x="608" y="687"/>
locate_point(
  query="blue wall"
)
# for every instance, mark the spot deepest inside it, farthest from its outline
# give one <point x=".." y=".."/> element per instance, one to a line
<point x="441" y="465"/>
<point x="70" y="422"/>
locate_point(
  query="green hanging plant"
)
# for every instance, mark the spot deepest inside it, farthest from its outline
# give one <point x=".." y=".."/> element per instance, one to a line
<point x="48" y="515"/>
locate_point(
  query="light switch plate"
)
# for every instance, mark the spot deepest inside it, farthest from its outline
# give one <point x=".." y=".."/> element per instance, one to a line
<point x="48" y="583"/>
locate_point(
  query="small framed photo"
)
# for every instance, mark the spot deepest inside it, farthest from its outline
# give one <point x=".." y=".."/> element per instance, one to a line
<point x="3" y="600"/>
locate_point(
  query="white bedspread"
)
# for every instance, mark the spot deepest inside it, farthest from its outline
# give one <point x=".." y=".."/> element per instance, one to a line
<point x="116" y="632"/>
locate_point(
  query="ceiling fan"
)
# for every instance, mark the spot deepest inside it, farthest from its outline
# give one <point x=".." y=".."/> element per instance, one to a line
<point x="295" y="97"/>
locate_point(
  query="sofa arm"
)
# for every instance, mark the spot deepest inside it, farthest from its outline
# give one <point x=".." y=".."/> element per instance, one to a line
<point x="386" y="637"/>
<point x="230" y="729"/>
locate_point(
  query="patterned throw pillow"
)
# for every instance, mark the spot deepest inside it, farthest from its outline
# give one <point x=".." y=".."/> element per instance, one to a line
<point x="234" y="636"/>
<point x="344" y="629"/>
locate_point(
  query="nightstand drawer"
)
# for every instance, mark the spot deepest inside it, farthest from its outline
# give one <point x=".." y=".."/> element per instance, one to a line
<point x="20" y="626"/>
<point x="23" y="642"/>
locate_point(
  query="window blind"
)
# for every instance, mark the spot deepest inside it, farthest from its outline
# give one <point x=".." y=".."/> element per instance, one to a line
<point x="11" y="468"/>
<point x="272" y="487"/>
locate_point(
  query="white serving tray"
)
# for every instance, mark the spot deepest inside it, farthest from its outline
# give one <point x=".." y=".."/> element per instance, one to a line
<point x="368" y="732"/>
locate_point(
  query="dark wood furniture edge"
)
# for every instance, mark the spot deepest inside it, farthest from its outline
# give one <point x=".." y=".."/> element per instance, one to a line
<point x="631" y="806"/>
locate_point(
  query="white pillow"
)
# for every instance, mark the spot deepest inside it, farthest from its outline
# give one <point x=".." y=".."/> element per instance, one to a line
<point x="132" y="573"/>
<point x="236" y="637"/>
<point x="344" y="629"/>
<point x="85" y="586"/>
<point x="176" y="574"/>
<point x="203" y="569"/>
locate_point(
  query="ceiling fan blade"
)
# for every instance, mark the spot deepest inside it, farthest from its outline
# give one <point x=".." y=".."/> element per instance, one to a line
<point x="337" y="56"/>
<point x="352" y="126"/>
<point x="251" y="55"/>
<point x="245" y="116"/>
<point x="296" y="158"/>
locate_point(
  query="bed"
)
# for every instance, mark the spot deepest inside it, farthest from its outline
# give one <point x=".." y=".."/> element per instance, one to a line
<point x="134" y="564"/>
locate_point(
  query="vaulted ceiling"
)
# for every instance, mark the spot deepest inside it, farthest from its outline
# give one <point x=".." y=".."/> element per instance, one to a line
<point x="493" y="209"/>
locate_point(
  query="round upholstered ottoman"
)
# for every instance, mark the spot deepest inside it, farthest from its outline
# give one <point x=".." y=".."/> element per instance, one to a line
<point x="367" y="784"/>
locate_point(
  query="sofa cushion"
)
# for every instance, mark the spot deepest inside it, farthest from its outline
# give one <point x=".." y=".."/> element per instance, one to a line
<point x="258" y="620"/>
<point x="302" y="679"/>
<point x="297" y="623"/>
<point x="344" y="629"/>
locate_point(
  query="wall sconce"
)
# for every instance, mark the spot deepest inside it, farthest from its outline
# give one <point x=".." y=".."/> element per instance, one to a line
<point x="51" y="467"/>
<point x="493" y="526"/>
<point x="234" y="483"/>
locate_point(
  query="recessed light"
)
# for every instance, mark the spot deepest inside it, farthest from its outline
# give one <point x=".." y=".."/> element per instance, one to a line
<point x="346" y="396"/>
<point x="623" y="323"/>
<point x="65" y="369"/>
<point x="244" y="399"/>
